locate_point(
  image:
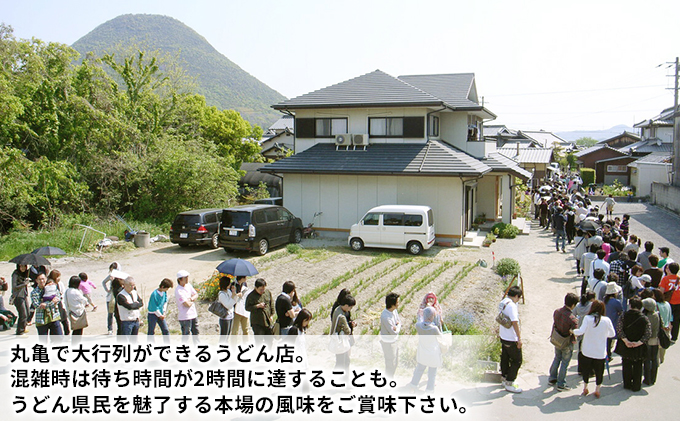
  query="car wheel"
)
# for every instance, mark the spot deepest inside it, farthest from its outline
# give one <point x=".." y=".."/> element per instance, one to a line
<point x="414" y="247"/>
<point x="183" y="245"/>
<point x="215" y="241"/>
<point x="297" y="236"/>
<point x="263" y="247"/>
<point x="356" y="244"/>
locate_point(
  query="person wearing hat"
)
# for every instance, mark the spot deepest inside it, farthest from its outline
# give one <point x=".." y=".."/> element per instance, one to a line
<point x="651" y="363"/>
<point x="186" y="295"/>
<point x="664" y="260"/>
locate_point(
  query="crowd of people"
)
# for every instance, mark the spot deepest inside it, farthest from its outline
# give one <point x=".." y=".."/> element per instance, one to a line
<point x="629" y="303"/>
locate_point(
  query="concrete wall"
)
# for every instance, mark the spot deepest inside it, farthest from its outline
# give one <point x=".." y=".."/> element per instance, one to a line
<point x="666" y="196"/>
<point x="645" y="174"/>
<point x="488" y="196"/>
<point x="344" y="199"/>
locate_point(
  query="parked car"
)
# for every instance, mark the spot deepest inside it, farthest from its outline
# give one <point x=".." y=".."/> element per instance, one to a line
<point x="199" y="226"/>
<point x="270" y="201"/>
<point x="394" y="226"/>
<point x="258" y="227"/>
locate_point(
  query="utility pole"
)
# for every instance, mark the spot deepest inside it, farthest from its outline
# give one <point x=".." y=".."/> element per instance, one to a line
<point x="676" y="129"/>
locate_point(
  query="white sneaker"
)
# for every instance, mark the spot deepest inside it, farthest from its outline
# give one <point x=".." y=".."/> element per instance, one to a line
<point x="110" y="332"/>
<point x="512" y="387"/>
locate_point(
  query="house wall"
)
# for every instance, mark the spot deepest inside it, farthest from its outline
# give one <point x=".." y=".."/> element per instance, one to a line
<point x="453" y="129"/>
<point x="590" y="160"/>
<point x="357" y="123"/>
<point x="645" y="174"/>
<point x="344" y="199"/>
<point x="663" y="133"/>
<point x="488" y="196"/>
<point x="604" y="175"/>
<point x="622" y="141"/>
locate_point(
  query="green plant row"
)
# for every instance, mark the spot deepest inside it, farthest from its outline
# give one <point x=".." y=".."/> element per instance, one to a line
<point x="398" y="280"/>
<point x="322" y="289"/>
<point x="449" y="287"/>
<point x="423" y="282"/>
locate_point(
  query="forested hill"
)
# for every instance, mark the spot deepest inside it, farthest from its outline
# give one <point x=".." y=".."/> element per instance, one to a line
<point x="223" y="83"/>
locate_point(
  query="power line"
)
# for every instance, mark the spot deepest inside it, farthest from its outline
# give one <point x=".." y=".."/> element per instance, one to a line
<point x="579" y="91"/>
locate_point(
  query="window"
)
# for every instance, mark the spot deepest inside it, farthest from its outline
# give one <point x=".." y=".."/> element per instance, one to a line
<point x="393" y="219"/>
<point x="259" y="217"/>
<point x="319" y="127"/>
<point x="434" y="126"/>
<point x="273" y="215"/>
<point x="210" y="218"/>
<point x="371" y="219"/>
<point x="413" y="220"/>
<point x="396" y="127"/>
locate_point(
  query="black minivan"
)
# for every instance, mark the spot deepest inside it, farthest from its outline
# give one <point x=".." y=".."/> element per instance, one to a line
<point x="258" y="227"/>
<point x="199" y="226"/>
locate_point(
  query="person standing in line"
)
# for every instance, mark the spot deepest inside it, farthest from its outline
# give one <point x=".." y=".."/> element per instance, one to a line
<point x="158" y="304"/>
<point x="579" y="250"/>
<point x="129" y="304"/>
<point x="340" y="324"/>
<point x="227" y="297"/>
<point x="107" y="284"/>
<point x="75" y="303"/>
<point x="564" y="322"/>
<point x="390" y="326"/>
<point x="670" y="286"/>
<point x="624" y="228"/>
<point x="284" y="307"/>
<point x="586" y="262"/>
<point x="429" y="354"/>
<point x="559" y="221"/>
<point x="20" y="297"/>
<point x="87" y="286"/>
<point x="55" y="276"/>
<point x="511" y="341"/>
<point x="643" y="258"/>
<point x="47" y="314"/>
<point x="613" y="310"/>
<point x="665" y="315"/>
<point x="596" y="328"/>
<point x="664" y="253"/>
<point x="650" y="366"/>
<point x="241" y="315"/>
<point x="634" y="331"/>
<point x="186" y="296"/>
<point x="261" y="307"/>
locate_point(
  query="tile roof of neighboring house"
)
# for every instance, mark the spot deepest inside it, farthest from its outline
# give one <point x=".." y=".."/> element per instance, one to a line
<point x="523" y="143"/>
<point x="665" y="118"/>
<point x="652" y="158"/>
<point x="253" y="177"/>
<point x="528" y="155"/>
<point x="596" y="148"/>
<point x="647" y="146"/>
<point x="378" y="89"/>
<point x="616" y="158"/>
<point x="426" y="159"/>
<point x="624" y="134"/>
<point x="501" y="163"/>
<point x="545" y="139"/>
<point x="283" y="123"/>
<point x="493" y="130"/>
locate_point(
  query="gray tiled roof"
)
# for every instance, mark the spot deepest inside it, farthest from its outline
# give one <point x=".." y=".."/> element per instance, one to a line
<point x="454" y="89"/>
<point x="372" y="89"/>
<point x="624" y="134"/>
<point x="285" y="122"/>
<point x="426" y="159"/>
<point x="545" y="139"/>
<point x="652" y="158"/>
<point x="528" y="155"/>
<point x="649" y="145"/>
<point x="501" y="163"/>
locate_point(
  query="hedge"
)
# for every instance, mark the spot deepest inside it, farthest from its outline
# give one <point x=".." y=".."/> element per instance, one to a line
<point x="588" y="176"/>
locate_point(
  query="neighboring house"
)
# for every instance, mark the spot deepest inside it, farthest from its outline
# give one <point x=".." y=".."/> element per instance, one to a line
<point x="622" y="140"/>
<point x="659" y="127"/>
<point x="613" y="169"/>
<point x="279" y="139"/>
<point x="534" y="160"/>
<point x="253" y="177"/>
<point x="589" y="157"/>
<point x="547" y="139"/>
<point x="505" y="137"/>
<point x="649" y="169"/>
<point x="647" y="146"/>
<point x="379" y="139"/>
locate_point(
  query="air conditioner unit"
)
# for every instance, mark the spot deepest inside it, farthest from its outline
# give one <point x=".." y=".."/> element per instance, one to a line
<point x="360" y="139"/>
<point x="344" y="139"/>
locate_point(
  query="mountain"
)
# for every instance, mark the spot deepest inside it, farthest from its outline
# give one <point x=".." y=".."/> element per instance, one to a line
<point x="223" y="83"/>
<point x="596" y="134"/>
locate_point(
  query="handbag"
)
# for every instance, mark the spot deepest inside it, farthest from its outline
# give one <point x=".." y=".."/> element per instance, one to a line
<point x="218" y="309"/>
<point x="558" y="340"/>
<point x="76" y="322"/>
<point x="339" y="342"/>
<point x="503" y="319"/>
<point x="664" y="339"/>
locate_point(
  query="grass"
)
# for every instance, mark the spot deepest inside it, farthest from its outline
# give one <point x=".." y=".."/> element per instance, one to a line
<point x="450" y="286"/>
<point x="67" y="236"/>
<point x="396" y="281"/>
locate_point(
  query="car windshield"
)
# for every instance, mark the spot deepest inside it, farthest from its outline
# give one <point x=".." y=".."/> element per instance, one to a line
<point x="235" y="219"/>
<point x="187" y="220"/>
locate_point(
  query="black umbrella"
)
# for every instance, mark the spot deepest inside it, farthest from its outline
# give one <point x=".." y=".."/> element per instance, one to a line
<point x="586" y="225"/>
<point x="49" y="251"/>
<point x="237" y="267"/>
<point x="30" y="259"/>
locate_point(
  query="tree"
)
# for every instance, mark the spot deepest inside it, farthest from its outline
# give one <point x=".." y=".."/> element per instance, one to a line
<point x="586" y="142"/>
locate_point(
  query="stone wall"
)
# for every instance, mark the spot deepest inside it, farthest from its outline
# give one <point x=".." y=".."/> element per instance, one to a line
<point x="666" y="196"/>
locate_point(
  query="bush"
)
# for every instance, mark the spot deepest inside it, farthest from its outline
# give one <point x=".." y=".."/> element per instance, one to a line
<point x="588" y="176"/>
<point x="508" y="266"/>
<point x="503" y="230"/>
<point x="459" y="321"/>
<point x="293" y="248"/>
<point x="616" y="189"/>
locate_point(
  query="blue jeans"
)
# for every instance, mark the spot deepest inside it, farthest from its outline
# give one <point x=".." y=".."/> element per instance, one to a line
<point x="563" y="236"/>
<point x="53" y="329"/>
<point x="130" y="328"/>
<point x="153" y="320"/>
<point x="189" y="326"/>
<point x="418" y="373"/>
<point x="561" y="362"/>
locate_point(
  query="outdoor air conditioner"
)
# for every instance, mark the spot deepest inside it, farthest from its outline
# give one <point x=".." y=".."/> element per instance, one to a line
<point x="344" y="139"/>
<point x="360" y="139"/>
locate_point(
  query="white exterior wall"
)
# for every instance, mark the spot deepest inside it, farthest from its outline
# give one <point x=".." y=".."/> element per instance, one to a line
<point x="487" y="196"/>
<point x="645" y="174"/>
<point x="344" y="199"/>
<point x="453" y="129"/>
<point x="357" y="123"/>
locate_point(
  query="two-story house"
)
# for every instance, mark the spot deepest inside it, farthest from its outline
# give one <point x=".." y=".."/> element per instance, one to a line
<point x="379" y="139"/>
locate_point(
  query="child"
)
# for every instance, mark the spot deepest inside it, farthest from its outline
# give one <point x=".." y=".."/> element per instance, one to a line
<point x="86" y="286"/>
<point x="50" y="291"/>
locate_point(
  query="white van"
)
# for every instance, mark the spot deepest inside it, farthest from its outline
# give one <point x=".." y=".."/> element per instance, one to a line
<point x="396" y="227"/>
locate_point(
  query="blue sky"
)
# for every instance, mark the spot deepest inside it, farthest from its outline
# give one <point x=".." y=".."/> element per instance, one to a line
<point x="539" y="64"/>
